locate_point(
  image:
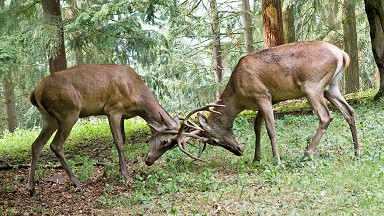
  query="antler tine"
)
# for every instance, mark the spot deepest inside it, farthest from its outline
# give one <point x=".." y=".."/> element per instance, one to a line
<point x="201" y="149"/>
<point x="191" y="124"/>
<point x="204" y="108"/>
<point x="182" y="137"/>
<point x="187" y="153"/>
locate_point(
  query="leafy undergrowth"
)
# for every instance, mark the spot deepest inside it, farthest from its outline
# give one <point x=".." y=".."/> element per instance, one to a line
<point x="332" y="182"/>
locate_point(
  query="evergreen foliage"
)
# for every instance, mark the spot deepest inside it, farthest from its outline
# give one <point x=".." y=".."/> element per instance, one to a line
<point x="167" y="42"/>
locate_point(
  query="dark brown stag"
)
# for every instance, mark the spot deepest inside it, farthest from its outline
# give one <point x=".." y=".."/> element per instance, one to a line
<point x="290" y="71"/>
<point x="89" y="90"/>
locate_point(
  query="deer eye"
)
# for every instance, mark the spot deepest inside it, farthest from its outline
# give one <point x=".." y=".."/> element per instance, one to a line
<point x="165" y="141"/>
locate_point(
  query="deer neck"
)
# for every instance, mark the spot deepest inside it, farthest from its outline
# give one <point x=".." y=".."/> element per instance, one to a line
<point x="227" y="115"/>
<point x="155" y="115"/>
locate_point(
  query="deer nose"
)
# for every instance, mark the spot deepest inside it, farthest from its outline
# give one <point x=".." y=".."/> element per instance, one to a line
<point x="148" y="163"/>
<point x="240" y="150"/>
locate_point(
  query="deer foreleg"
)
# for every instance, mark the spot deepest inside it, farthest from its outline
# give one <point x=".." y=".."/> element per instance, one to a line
<point x="257" y="127"/>
<point x="115" y="122"/>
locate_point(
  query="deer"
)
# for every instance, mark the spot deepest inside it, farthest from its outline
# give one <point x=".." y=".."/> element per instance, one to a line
<point x="261" y="79"/>
<point x="115" y="91"/>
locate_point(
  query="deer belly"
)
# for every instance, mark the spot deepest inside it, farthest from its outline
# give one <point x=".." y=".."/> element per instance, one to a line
<point x="286" y="95"/>
<point x="91" y="111"/>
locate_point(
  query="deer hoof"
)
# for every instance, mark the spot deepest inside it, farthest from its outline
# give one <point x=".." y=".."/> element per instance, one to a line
<point x="32" y="192"/>
<point x="126" y="176"/>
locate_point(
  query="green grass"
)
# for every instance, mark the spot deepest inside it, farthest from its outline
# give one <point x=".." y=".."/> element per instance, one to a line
<point x="333" y="182"/>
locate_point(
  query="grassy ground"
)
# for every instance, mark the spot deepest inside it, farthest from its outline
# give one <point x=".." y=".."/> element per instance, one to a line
<point x="333" y="182"/>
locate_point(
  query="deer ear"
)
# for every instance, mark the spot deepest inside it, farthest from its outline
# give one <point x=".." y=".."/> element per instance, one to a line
<point x="164" y="122"/>
<point x="203" y="121"/>
<point x="177" y="120"/>
<point x="153" y="128"/>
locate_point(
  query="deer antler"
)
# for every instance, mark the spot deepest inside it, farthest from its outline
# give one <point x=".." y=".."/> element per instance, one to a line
<point x="183" y="137"/>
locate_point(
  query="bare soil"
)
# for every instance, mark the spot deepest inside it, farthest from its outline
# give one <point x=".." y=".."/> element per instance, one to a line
<point x="56" y="199"/>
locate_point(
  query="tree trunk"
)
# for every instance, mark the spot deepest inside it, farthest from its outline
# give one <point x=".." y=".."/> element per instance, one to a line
<point x="289" y="23"/>
<point x="375" y="14"/>
<point x="218" y="65"/>
<point x="350" y="46"/>
<point x="273" y="23"/>
<point x="10" y="102"/>
<point x="248" y="29"/>
<point x="51" y="10"/>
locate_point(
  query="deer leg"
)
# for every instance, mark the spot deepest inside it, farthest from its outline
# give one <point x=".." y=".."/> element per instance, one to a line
<point x="57" y="147"/>
<point x="318" y="104"/>
<point x="267" y="113"/>
<point x="257" y="128"/>
<point x="333" y="95"/>
<point x="115" y="124"/>
<point x="122" y="129"/>
<point x="49" y="127"/>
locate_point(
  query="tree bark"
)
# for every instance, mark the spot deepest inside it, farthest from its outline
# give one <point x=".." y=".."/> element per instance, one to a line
<point x="248" y="29"/>
<point x="289" y="23"/>
<point x="350" y="46"/>
<point x="273" y="23"/>
<point x="10" y="102"/>
<point x="375" y="14"/>
<point x="218" y="65"/>
<point x="51" y="10"/>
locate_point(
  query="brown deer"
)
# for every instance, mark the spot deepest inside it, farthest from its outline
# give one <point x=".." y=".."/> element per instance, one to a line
<point x="290" y="71"/>
<point x="90" y="90"/>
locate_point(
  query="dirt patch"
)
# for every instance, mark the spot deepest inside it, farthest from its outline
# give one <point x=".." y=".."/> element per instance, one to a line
<point x="57" y="199"/>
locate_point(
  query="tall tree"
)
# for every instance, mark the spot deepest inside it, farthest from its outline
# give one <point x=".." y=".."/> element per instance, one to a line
<point x="10" y="101"/>
<point x="8" y="56"/>
<point x="52" y="12"/>
<point x="273" y="23"/>
<point x="350" y="46"/>
<point x="218" y="65"/>
<point x="289" y="21"/>
<point x="248" y="28"/>
<point x="375" y="14"/>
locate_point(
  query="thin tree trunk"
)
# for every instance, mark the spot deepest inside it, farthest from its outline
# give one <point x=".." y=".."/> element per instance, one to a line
<point x="289" y="23"/>
<point x="79" y="57"/>
<point x="10" y="102"/>
<point x="218" y="65"/>
<point x="248" y="29"/>
<point x="375" y="14"/>
<point x="350" y="46"/>
<point x="273" y="23"/>
<point x="51" y="9"/>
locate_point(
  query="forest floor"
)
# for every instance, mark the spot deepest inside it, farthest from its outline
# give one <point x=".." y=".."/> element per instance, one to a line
<point x="332" y="182"/>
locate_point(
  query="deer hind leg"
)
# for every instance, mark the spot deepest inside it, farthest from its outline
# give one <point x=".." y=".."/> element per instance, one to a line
<point x="257" y="127"/>
<point x="57" y="146"/>
<point x="115" y="121"/>
<point x="265" y="106"/>
<point x="122" y="129"/>
<point x="318" y="104"/>
<point x="333" y="95"/>
<point x="49" y="127"/>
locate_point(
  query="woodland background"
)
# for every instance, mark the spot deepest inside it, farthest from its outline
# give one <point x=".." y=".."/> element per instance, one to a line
<point x="184" y="50"/>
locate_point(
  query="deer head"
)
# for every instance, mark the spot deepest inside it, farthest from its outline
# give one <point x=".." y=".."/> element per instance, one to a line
<point x="221" y="137"/>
